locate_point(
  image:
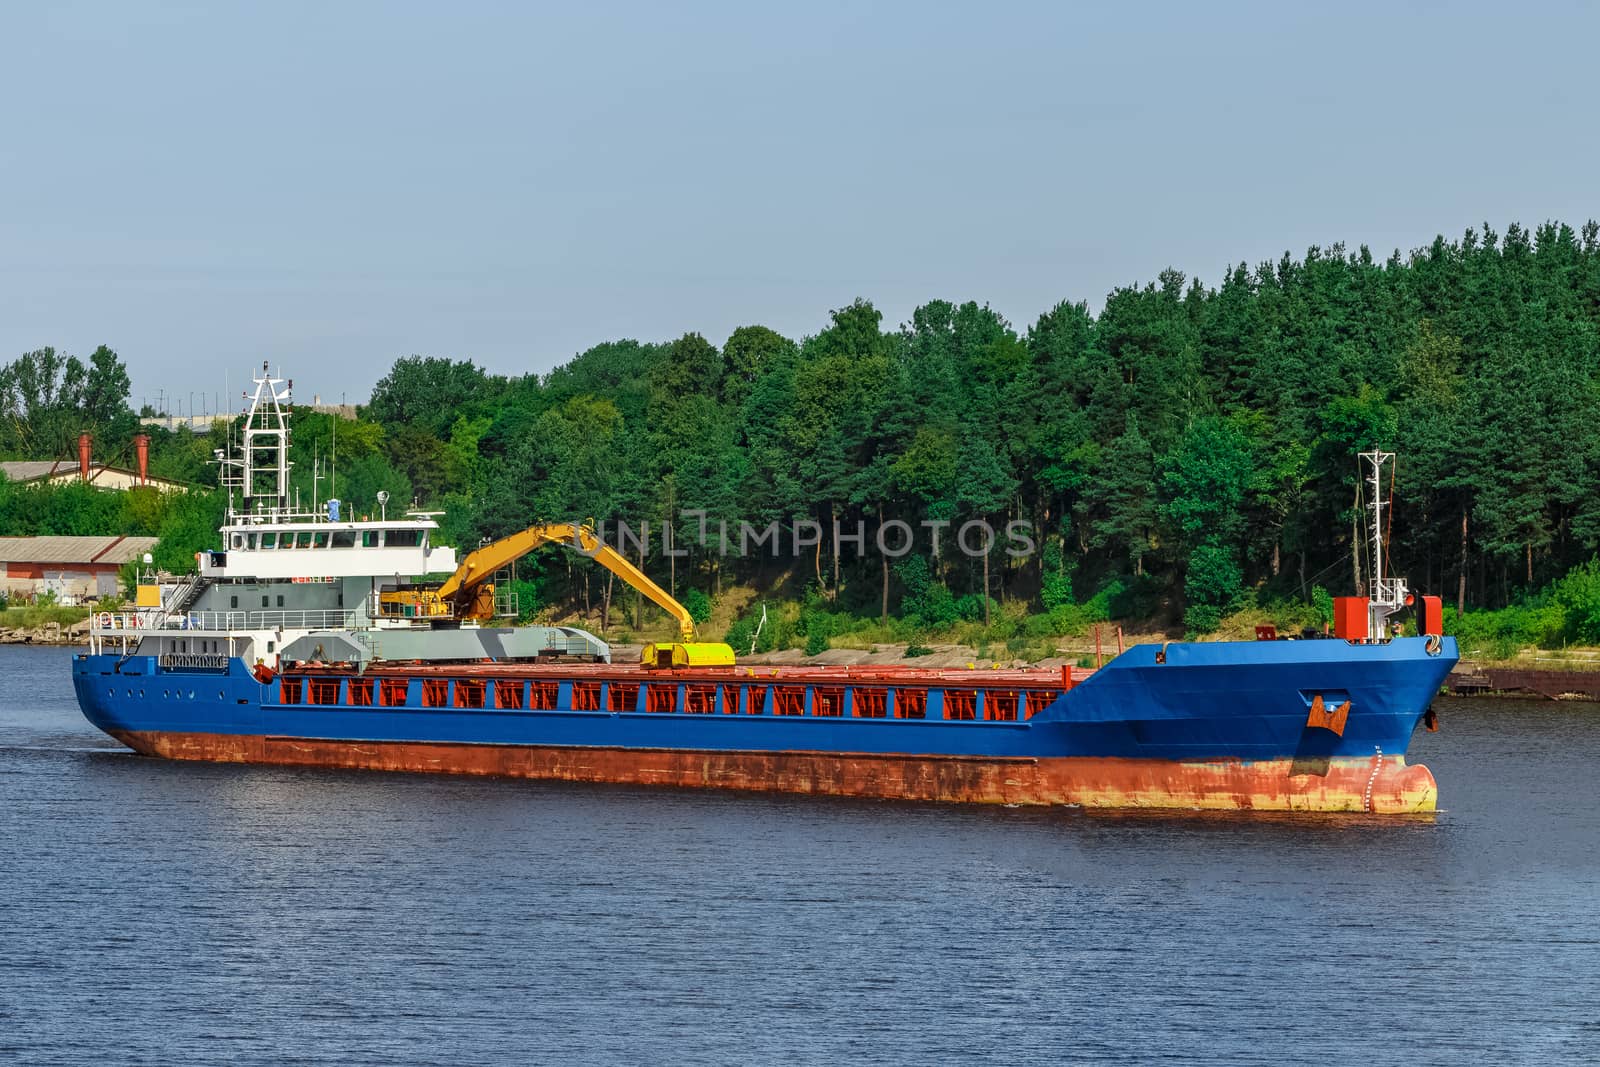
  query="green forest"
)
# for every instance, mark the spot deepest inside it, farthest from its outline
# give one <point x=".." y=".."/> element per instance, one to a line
<point x="1184" y="455"/>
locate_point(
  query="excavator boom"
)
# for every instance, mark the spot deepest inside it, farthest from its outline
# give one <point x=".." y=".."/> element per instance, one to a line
<point x="470" y="594"/>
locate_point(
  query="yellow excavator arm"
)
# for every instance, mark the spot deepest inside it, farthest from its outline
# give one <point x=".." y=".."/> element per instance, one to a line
<point x="470" y="593"/>
<point x="464" y="588"/>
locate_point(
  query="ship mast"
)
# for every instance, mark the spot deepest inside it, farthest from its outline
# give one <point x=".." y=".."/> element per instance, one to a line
<point x="1388" y="595"/>
<point x="259" y="467"/>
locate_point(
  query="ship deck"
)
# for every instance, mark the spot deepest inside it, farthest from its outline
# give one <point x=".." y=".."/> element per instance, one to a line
<point x="1063" y="678"/>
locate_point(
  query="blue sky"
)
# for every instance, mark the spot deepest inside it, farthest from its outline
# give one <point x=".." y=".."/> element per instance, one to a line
<point x="334" y="185"/>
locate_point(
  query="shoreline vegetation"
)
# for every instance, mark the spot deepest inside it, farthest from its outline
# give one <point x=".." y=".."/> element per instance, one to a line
<point x="46" y="625"/>
<point x="1184" y="457"/>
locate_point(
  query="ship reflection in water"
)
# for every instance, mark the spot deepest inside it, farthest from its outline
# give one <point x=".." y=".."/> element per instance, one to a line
<point x="188" y="913"/>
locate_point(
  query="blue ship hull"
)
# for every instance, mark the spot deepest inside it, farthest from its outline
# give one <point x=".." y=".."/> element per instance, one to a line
<point x="1244" y="724"/>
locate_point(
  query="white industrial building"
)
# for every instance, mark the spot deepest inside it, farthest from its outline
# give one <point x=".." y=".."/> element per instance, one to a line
<point x="59" y="472"/>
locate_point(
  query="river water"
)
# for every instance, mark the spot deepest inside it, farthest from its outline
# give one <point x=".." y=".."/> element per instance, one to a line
<point x="162" y="913"/>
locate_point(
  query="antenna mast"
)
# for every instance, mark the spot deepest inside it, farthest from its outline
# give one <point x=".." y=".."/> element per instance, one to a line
<point x="1388" y="594"/>
<point x="260" y="467"/>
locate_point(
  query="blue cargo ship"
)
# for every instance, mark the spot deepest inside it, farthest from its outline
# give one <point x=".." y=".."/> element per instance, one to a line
<point x="309" y="639"/>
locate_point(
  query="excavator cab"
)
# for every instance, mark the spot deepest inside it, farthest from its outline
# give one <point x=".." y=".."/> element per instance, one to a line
<point x="411" y="600"/>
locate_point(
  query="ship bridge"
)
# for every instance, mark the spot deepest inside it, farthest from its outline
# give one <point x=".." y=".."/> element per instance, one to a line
<point x="304" y="546"/>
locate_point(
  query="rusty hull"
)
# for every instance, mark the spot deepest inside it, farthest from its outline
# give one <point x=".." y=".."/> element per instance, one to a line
<point x="1378" y="784"/>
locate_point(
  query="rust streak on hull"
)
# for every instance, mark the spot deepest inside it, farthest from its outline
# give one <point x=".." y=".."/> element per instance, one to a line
<point x="1381" y="785"/>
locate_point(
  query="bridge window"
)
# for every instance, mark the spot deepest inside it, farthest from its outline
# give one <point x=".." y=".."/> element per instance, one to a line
<point x="369" y="538"/>
<point x="344" y="539"/>
<point x="319" y="540"/>
<point x="402" y="538"/>
<point x="269" y="540"/>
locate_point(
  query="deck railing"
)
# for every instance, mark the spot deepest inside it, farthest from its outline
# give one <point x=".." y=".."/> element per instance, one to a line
<point x="112" y="623"/>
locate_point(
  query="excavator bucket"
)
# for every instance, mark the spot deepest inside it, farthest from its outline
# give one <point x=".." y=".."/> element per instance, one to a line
<point x="687" y="654"/>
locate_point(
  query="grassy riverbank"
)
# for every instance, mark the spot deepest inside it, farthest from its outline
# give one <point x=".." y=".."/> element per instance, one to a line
<point x="34" y="617"/>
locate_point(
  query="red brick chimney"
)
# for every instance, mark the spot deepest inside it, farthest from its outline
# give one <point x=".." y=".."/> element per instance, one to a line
<point x="141" y="449"/>
<point x="85" y="449"/>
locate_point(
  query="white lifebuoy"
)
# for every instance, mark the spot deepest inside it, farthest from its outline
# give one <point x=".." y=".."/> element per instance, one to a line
<point x="106" y="620"/>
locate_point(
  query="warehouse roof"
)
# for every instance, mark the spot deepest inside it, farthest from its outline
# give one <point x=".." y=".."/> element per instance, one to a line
<point x="116" y="550"/>
<point x="23" y="471"/>
<point x="26" y="470"/>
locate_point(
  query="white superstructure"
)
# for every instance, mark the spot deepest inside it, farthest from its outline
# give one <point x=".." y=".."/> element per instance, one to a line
<point x="306" y="580"/>
<point x="265" y="536"/>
